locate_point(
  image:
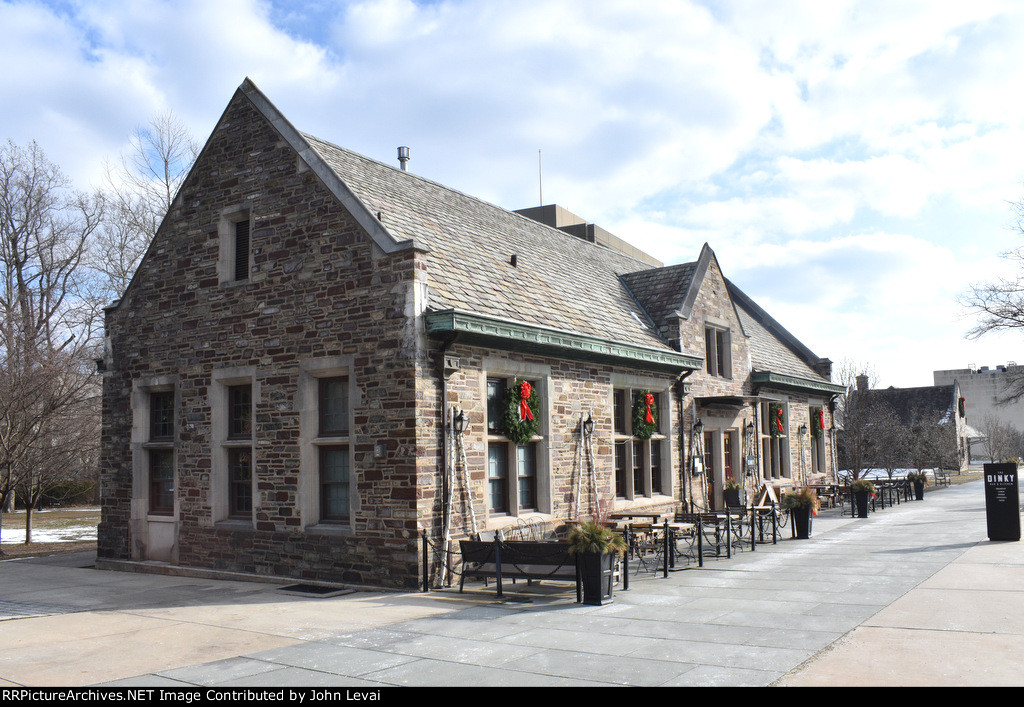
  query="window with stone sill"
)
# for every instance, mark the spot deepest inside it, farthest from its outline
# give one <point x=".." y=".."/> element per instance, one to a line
<point x="159" y="451"/>
<point x="639" y="471"/>
<point x="717" y="349"/>
<point x="512" y="469"/>
<point x="334" y="461"/>
<point x="775" y="462"/>
<point x="234" y="232"/>
<point x="240" y="451"/>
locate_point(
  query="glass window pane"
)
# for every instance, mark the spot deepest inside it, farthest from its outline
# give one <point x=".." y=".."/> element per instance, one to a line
<point x="240" y="482"/>
<point x="495" y="403"/>
<point x="161" y="481"/>
<point x="334" y="483"/>
<point x="526" y="461"/>
<point x="161" y="415"/>
<point x="656" y="466"/>
<point x="240" y="412"/>
<point x="333" y="406"/>
<point x="497" y="473"/>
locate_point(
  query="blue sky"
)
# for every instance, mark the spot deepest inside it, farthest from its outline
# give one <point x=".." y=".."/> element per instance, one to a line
<point x="851" y="163"/>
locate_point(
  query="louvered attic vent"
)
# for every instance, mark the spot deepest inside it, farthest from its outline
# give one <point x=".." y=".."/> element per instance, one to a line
<point x="242" y="250"/>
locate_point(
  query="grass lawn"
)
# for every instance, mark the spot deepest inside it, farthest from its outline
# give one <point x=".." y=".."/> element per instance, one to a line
<point x="54" y="530"/>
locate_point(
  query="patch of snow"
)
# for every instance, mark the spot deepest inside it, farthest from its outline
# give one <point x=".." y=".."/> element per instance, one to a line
<point x="49" y="535"/>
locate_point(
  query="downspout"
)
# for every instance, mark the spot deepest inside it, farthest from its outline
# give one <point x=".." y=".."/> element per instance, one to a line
<point x="680" y="386"/>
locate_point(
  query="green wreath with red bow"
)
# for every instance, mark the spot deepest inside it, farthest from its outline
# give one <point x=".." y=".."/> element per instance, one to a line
<point x="519" y="420"/>
<point x="645" y="415"/>
<point x="817" y="422"/>
<point x="776" y="421"/>
<point x="963" y="406"/>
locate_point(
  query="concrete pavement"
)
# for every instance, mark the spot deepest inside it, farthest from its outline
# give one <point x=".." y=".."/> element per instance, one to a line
<point x="913" y="595"/>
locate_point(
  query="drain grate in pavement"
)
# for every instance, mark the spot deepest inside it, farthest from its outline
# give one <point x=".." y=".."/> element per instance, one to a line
<point x="315" y="590"/>
<point x="10" y="609"/>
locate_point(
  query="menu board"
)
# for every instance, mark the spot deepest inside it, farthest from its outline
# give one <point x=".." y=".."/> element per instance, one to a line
<point x="1002" y="501"/>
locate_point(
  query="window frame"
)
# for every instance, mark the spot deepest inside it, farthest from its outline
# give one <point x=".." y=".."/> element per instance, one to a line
<point x="231" y="435"/>
<point x="776" y="464"/>
<point x="229" y="236"/>
<point x="315" y="437"/>
<point x="634" y="458"/>
<point x="511" y="485"/>
<point x="333" y="439"/>
<point x="718" y="350"/>
<point x="159" y="451"/>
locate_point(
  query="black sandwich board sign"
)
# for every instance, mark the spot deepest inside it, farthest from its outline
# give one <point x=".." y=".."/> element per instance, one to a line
<point x="1002" y="502"/>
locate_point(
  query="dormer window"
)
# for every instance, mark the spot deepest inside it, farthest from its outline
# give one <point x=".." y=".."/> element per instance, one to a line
<point x="718" y="353"/>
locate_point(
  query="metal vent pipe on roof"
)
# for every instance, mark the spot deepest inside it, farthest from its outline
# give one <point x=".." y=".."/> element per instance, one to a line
<point x="403" y="157"/>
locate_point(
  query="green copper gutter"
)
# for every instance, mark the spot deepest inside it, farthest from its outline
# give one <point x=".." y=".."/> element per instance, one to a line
<point x="782" y="381"/>
<point x="507" y="335"/>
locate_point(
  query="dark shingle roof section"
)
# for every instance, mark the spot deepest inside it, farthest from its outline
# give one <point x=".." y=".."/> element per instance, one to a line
<point x="933" y="403"/>
<point x="559" y="281"/>
<point x="661" y="291"/>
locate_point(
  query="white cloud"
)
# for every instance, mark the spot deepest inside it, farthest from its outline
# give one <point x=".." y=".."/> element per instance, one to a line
<point x="853" y="147"/>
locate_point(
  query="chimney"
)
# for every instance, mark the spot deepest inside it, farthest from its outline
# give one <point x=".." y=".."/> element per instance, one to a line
<point x="403" y="157"/>
<point x="862" y="383"/>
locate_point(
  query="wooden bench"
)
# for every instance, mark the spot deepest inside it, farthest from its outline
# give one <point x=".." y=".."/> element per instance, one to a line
<point x="519" y="559"/>
<point x="941" y="477"/>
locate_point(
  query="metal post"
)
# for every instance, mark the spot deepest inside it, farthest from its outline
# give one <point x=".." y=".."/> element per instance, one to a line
<point x="728" y="534"/>
<point x="775" y="525"/>
<point x="625" y="560"/>
<point x="664" y="540"/>
<point x="700" y="542"/>
<point x="426" y="571"/>
<point x="497" y="563"/>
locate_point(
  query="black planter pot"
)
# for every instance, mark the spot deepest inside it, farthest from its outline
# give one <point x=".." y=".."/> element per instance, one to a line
<point x="731" y="497"/>
<point x="596" y="573"/>
<point x="801" y="522"/>
<point x="862" y="503"/>
<point x="919" y="490"/>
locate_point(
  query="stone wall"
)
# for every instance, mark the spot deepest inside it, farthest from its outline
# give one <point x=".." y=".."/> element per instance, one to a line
<point x="318" y="290"/>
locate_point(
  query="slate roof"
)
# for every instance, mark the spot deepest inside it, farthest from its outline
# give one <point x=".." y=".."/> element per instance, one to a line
<point x="662" y="290"/>
<point x="559" y="281"/>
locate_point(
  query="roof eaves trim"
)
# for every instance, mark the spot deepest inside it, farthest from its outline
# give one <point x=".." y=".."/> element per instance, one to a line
<point x="355" y="206"/>
<point x="518" y="336"/>
<point x="784" y="381"/>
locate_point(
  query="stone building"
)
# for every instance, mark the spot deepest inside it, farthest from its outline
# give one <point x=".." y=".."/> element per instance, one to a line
<point x="935" y="414"/>
<point x="284" y="375"/>
<point x="990" y="394"/>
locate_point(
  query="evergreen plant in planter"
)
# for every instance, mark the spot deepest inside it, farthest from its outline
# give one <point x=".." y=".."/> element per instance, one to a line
<point x="731" y="493"/>
<point x="862" y="492"/>
<point x="920" y="480"/>
<point x="595" y="547"/>
<point x="801" y="505"/>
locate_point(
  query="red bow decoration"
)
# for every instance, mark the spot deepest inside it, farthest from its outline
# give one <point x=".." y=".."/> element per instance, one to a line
<point x="821" y="419"/>
<point x="524" y="397"/>
<point x="649" y="399"/>
<point x="778" y="420"/>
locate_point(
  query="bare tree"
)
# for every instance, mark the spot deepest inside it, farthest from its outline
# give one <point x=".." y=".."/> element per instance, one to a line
<point x="47" y="312"/>
<point x="139" y="191"/>
<point x="999" y="304"/>
<point x="854" y="415"/>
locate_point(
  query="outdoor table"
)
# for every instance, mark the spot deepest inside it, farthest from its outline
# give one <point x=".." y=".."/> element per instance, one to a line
<point x="654" y="517"/>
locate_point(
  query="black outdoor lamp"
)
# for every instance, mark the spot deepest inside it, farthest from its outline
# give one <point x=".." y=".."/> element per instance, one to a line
<point x="698" y="427"/>
<point x="461" y="422"/>
<point x="588" y="426"/>
<point x="802" y="430"/>
<point x="750" y="429"/>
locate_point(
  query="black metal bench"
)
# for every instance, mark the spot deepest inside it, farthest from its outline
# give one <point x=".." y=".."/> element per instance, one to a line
<point x="516" y="559"/>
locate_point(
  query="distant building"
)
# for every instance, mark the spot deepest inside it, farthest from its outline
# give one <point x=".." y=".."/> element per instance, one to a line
<point x="939" y="407"/>
<point x="986" y="391"/>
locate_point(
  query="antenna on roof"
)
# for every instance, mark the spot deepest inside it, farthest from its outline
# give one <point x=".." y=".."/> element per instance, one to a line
<point x="540" y="179"/>
<point x="403" y="157"/>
